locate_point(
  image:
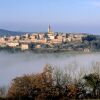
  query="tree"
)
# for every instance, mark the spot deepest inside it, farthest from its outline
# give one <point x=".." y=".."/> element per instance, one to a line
<point x="93" y="81"/>
<point x="32" y="86"/>
<point x="20" y="87"/>
<point x="89" y="38"/>
<point x="3" y="91"/>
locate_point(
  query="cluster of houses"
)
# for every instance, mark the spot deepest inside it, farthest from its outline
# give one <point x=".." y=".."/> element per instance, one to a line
<point x="38" y="40"/>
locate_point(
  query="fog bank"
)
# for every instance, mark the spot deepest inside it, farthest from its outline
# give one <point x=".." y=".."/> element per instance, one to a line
<point x="17" y="64"/>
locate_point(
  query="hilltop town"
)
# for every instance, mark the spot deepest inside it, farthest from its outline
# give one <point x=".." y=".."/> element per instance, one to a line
<point x="50" y="41"/>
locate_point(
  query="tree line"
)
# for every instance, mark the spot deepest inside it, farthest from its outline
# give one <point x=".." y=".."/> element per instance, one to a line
<point x="54" y="85"/>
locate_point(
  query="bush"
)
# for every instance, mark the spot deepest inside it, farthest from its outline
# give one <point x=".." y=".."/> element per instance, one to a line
<point x="54" y="85"/>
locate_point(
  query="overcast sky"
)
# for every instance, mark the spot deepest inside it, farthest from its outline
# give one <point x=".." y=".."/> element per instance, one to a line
<point x="63" y="15"/>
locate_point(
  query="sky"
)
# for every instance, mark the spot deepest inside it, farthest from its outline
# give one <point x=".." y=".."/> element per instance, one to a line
<point x="63" y="15"/>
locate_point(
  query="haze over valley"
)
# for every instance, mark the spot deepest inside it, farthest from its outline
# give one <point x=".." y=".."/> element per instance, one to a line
<point x="17" y="64"/>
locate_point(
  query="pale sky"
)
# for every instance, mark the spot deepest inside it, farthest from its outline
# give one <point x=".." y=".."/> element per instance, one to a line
<point x="62" y="15"/>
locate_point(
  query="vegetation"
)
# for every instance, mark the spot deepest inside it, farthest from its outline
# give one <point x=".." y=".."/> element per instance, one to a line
<point x="89" y="38"/>
<point x="55" y="84"/>
<point x="92" y="42"/>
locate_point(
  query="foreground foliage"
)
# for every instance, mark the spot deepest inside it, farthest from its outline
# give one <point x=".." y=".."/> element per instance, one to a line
<point x="54" y="85"/>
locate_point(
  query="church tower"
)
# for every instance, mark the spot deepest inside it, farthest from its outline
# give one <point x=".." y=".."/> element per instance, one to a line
<point x="50" y="33"/>
<point x="49" y="29"/>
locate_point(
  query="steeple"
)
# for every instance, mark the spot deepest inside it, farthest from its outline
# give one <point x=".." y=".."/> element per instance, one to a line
<point x="49" y="29"/>
<point x="50" y="32"/>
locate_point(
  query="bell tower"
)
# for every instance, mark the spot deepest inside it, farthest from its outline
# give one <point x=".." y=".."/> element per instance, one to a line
<point x="50" y="33"/>
<point x="49" y="29"/>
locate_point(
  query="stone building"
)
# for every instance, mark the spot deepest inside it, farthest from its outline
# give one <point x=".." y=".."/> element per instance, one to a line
<point x="24" y="46"/>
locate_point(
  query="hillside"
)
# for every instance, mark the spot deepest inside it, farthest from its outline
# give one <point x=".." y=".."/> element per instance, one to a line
<point x="8" y="33"/>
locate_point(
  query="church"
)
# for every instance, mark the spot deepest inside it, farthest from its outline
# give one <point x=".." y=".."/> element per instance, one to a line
<point x="50" y="33"/>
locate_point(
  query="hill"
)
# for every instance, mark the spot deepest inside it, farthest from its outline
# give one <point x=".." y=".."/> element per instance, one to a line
<point x="8" y="33"/>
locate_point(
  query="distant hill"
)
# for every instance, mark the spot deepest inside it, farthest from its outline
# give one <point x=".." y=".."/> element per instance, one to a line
<point x="8" y="33"/>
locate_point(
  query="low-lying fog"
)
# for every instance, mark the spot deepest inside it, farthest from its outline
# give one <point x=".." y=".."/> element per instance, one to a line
<point x="17" y="64"/>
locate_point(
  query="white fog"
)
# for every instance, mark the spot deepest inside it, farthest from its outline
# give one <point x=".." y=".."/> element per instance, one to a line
<point x="18" y="64"/>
